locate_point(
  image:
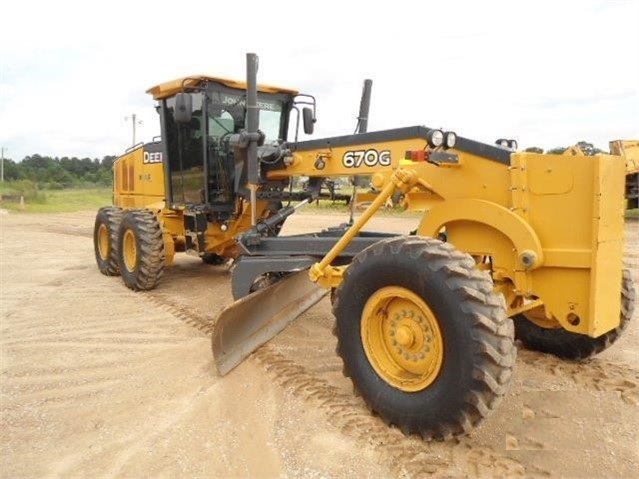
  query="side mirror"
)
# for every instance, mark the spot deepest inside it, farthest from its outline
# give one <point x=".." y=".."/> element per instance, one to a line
<point x="309" y="121"/>
<point x="183" y="108"/>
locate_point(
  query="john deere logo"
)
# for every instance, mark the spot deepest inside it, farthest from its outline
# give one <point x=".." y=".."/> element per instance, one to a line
<point x="155" y="157"/>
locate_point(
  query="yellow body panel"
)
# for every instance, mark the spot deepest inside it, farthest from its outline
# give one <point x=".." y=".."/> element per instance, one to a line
<point x="474" y="177"/>
<point x="582" y="230"/>
<point x="551" y="226"/>
<point x="137" y="184"/>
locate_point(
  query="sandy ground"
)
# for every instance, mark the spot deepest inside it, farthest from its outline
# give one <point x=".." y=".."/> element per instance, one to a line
<point x="99" y="381"/>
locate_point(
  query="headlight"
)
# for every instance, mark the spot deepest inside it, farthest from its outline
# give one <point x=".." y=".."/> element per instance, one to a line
<point x="435" y="138"/>
<point x="505" y="143"/>
<point x="450" y="138"/>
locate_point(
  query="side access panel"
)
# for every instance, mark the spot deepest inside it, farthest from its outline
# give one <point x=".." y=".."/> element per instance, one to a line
<point x="139" y="177"/>
<point x="576" y="207"/>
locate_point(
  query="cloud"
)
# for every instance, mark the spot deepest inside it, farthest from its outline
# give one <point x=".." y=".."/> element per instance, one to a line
<point x="544" y="72"/>
<point x="587" y="100"/>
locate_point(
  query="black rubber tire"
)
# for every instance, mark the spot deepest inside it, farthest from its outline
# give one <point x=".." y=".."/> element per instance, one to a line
<point x="149" y="264"/>
<point x="479" y="352"/>
<point x="568" y="345"/>
<point x="213" y="259"/>
<point x="109" y="217"/>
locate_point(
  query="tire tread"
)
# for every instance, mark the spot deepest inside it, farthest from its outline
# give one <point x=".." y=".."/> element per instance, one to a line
<point x="492" y="332"/>
<point x="151" y="254"/>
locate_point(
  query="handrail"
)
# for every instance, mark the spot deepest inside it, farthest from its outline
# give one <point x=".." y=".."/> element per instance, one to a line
<point x="134" y="147"/>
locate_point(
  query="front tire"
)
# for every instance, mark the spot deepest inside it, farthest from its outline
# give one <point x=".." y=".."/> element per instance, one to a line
<point x="140" y="250"/>
<point x="568" y="345"/>
<point x="105" y="239"/>
<point x="423" y="337"/>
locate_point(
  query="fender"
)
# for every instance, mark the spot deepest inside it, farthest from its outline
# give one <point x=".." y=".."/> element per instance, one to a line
<point x="499" y="218"/>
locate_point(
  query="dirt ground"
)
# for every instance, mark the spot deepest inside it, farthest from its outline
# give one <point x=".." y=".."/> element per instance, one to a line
<point x="99" y="381"/>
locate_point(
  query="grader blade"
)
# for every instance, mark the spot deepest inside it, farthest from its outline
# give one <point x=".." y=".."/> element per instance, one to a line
<point x="253" y="320"/>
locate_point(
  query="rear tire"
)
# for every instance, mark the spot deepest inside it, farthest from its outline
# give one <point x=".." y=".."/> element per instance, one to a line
<point x="105" y="239"/>
<point x="423" y="337"/>
<point x="567" y="345"/>
<point x="140" y="250"/>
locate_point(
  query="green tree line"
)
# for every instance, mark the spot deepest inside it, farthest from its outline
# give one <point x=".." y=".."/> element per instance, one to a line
<point x="59" y="173"/>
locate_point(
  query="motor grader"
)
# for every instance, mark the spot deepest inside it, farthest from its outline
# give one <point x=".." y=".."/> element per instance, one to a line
<point x="510" y="245"/>
<point x="629" y="149"/>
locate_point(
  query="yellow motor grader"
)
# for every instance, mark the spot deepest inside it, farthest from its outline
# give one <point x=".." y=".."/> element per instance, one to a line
<point x="510" y="245"/>
<point x="629" y="149"/>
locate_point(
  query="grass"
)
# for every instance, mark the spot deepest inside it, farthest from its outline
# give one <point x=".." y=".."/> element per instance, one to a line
<point x="61" y="201"/>
<point x="90" y="199"/>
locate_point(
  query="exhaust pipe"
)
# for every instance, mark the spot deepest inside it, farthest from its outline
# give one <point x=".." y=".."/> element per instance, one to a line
<point x="362" y="127"/>
<point x="364" y="107"/>
<point x="252" y="125"/>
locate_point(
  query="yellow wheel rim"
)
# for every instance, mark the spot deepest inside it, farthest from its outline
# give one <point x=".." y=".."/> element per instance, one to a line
<point x="402" y="339"/>
<point x="130" y="251"/>
<point x="104" y="245"/>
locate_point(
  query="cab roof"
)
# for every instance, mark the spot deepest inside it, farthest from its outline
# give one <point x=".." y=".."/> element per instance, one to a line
<point x="170" y="88"/>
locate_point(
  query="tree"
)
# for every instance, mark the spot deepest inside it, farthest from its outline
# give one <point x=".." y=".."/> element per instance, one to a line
<point x="534" y="149"/>
<point x="12" y="170"/>
<point x="588" y="148"/>
<point x="107" y="162"/>
<point x="37" y="161"/>
<point x="559" y="150"/>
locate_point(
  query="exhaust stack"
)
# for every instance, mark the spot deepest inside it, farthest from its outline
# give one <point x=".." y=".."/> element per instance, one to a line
<point x="252" y="125"/>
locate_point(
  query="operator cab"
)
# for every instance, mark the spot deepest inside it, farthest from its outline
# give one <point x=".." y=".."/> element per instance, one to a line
<point x="202" y="171"/>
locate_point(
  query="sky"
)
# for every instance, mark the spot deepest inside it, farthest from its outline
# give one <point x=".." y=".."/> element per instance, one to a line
<point x="546" y="73"/>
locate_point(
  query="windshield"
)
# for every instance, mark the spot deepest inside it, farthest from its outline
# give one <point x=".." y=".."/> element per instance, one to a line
<point x="227" y="114"/>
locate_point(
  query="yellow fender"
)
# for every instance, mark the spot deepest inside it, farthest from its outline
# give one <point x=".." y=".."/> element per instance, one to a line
<point x="499" y="218"/>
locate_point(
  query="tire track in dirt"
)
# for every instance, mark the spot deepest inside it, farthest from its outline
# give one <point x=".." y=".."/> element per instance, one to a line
<point x="70" y="230"/>
<point x="132" y="332"/>
<point x="61" y="401"/>
<point x="593" y="373"/>
<point x="57" y="391"/>
<point x="94" y="341"/>
<point x="407" y="456"/>
<point x="53" y="372"/>
<point x="98" y="347"/>
<point x="411" y="457"/>
<point x="27" y="329"/>
<point x="187" y="314"/>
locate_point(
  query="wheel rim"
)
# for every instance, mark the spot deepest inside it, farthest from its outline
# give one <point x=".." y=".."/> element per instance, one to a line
<point x="104" y="245"/>
<point x="402" y="339"/>
<point x="130" y="251"/>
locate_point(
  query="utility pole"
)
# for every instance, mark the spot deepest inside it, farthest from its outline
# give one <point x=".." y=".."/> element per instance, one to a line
<point x="133" y="123"/>
<point x="2" y="166"/>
